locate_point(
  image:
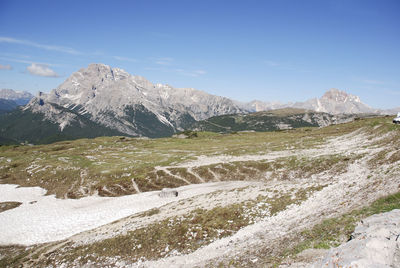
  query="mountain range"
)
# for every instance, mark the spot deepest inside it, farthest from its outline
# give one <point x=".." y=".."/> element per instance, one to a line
<point x="334" y="101"/>
<point x="10" y="99"/>
<point x="278" y="119"/>
<point x="100" y="100"/>
<point x="19" y="97"/>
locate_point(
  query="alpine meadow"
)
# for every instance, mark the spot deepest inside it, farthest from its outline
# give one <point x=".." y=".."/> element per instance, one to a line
<point x="199" y="133"/>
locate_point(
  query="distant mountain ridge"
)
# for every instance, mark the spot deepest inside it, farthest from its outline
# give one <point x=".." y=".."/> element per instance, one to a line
<point x="334" y="101"/>
<point x="19" y="97"/>
<point x="11" y="99"/>
<point x="279" y="119"/>
<point x="100" y="100"/>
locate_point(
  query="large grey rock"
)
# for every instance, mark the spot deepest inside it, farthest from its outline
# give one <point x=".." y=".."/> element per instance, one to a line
<point x="375" y="244"/>
<point x="167" y="192"/>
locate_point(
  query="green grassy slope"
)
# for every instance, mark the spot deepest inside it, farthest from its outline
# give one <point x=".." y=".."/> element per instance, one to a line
<point x="113" y="162"/>
<point x="7" y="106"/>
<point x="25" y="126"/>
<point x="267" y="121"/>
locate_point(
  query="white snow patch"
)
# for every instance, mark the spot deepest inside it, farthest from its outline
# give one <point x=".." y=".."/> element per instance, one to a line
<point x="73" y="97"/>
<point x="63" y="124"/>
<point x="163" y="119"/>
<point x="51" y="219"/>
<point x="76" y="105"/>
<point x="11" y="192"/>
<point x="83" y="112"/>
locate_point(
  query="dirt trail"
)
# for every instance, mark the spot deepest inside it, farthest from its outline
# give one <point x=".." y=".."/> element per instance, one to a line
<point x="351" y="189"/>
<point x="350" y="143"/>
<point x="359" y="184"/>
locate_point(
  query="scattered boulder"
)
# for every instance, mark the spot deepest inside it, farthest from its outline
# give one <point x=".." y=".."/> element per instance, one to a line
<point x="187" y="134"/>
<point x="179" y="136"/>
<point x="167" y="192"/>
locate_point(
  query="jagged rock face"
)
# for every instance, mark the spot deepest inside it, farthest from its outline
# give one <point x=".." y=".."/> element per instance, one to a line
<point x="335" y="95"/>
<point x="52" y="112"/>
<point x="19" y="97"/>
<point x="111" y="97"/>
<point x="335" y="101"/>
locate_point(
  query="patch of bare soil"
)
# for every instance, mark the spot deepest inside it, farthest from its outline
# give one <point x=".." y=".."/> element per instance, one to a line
<point x="8" y="205"/>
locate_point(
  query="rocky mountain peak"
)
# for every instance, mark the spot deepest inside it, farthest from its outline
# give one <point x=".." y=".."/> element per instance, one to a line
<point x="115" y="99"/>
<point x="334" y="101"/>
<point x="340" y="96"/>
<point x="100" y="73"/>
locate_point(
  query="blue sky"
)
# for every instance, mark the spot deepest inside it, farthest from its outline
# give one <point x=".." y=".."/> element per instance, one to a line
<point x="283" y="50"/>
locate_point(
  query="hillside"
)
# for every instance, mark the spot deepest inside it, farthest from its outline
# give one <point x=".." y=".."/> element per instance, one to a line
<point x="279" y="119"/>
<point x="247" y="199"/>
<point x="23" y="126"/>
<point x="7" y="106"/>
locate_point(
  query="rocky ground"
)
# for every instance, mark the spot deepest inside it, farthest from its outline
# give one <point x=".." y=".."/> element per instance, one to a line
<point x="374" y="243"/>
<point x="292" y="204"/>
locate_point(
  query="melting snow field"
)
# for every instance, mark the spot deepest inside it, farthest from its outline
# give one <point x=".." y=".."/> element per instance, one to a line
<point x="44" y="218"/>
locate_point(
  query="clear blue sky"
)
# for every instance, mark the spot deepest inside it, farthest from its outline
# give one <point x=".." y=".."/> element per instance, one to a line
<point x="267" y="50"/>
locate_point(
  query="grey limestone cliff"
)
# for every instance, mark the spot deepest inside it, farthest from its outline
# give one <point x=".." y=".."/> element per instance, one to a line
<point x="116" y="99"/>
